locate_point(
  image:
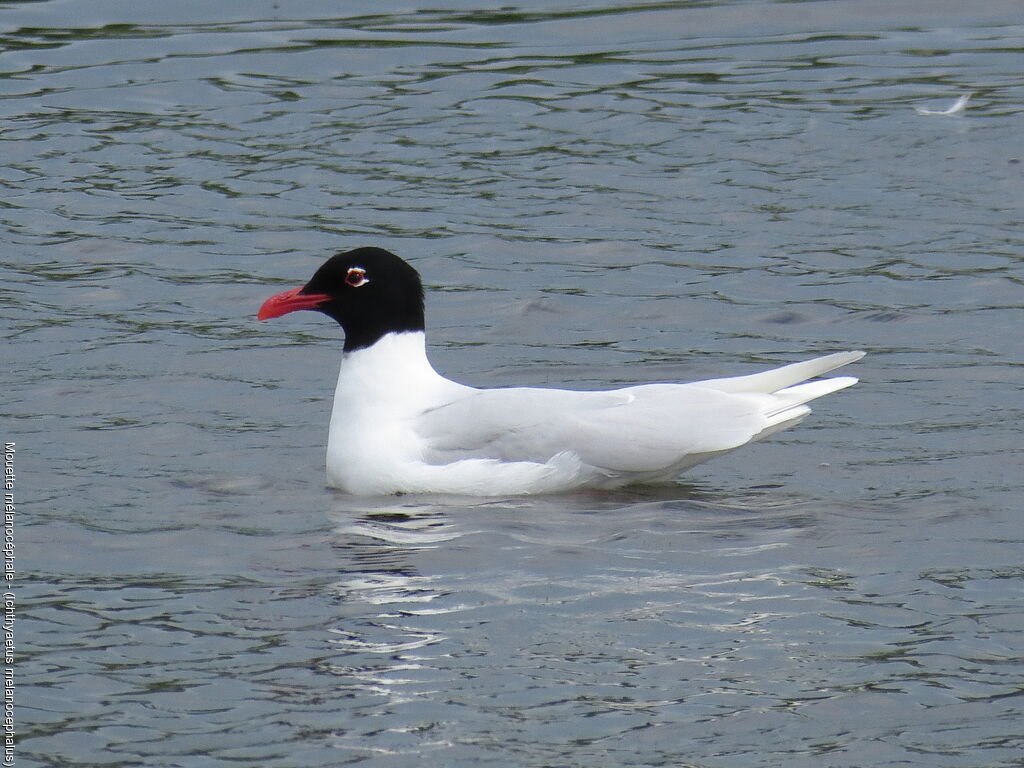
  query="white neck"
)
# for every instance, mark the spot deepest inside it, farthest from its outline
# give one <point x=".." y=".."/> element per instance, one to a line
<point x="394" y="372"/>
<point x="381" y="390"/>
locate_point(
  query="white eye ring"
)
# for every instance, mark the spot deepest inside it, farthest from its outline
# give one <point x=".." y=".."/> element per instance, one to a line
<point x="356" y="277"/>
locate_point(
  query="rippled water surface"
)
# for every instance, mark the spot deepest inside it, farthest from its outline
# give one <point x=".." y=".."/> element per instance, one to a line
<point x="595" y="194"/>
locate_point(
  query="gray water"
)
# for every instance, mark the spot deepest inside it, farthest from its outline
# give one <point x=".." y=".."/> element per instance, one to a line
<point x="595" y="194"/>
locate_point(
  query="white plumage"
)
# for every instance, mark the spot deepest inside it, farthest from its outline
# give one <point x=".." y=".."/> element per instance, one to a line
<point x="399" y="426"/>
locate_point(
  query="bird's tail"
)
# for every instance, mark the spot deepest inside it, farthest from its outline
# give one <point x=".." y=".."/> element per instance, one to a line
<point x="778" y="379"/>
<point x="789" y="388"/>
<point x="790" y="404"/>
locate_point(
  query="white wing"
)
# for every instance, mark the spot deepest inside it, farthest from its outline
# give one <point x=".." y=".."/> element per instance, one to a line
<point x="645" y="429"/>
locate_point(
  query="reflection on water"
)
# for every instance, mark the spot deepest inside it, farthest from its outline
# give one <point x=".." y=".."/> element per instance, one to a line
<point x="492" y="617"/>
<point x="596" y="194"/>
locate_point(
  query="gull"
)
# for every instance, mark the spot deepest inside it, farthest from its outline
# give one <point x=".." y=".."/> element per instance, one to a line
<point x="398" y="426"/>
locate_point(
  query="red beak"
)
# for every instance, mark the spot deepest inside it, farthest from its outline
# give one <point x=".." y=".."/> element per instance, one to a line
<point x="290" y="301"/>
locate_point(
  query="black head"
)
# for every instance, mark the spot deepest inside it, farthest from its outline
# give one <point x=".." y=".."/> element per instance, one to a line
<point x="369" y="291"/>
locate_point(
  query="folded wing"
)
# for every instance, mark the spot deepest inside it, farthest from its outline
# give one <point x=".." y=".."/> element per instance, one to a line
<point x="637" y="430"/>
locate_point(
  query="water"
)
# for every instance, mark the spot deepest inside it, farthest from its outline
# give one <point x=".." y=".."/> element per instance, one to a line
<point x="595" y="194"/>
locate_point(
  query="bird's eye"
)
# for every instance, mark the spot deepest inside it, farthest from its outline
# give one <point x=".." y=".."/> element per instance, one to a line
<point x="356" y="276"/>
